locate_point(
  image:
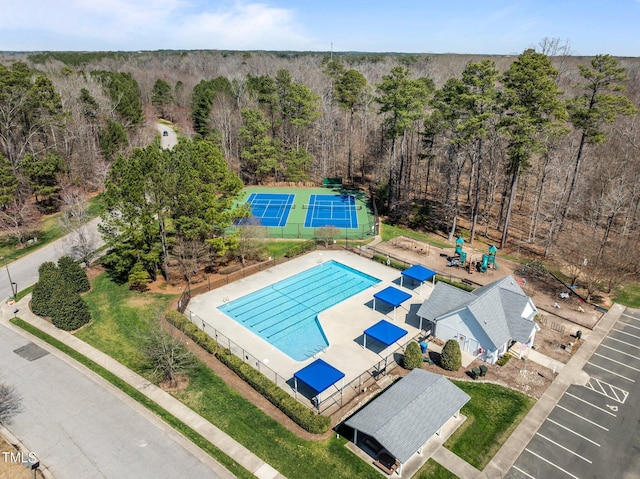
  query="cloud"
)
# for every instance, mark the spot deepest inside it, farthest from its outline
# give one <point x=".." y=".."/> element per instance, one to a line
<point x="149" y="25"/>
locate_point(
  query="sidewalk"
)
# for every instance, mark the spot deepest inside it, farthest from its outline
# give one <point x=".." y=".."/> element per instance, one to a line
<point x="572" y="373"/>
<point x="225" y="443"/>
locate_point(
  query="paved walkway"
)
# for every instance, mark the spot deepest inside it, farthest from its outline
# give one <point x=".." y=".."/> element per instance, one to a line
<point x="229" y="446"/>
<point x="572" y="373"/>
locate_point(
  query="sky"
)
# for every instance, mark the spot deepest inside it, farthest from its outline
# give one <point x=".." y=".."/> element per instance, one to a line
<point x="496" y="27"/>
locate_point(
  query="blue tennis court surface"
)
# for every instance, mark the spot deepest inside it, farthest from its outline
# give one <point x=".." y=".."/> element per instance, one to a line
<point x="269" y="208"/>
<point x="331" y="210"/>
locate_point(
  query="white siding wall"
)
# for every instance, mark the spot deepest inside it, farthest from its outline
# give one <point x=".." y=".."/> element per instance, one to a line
<point x="461" y="325"/>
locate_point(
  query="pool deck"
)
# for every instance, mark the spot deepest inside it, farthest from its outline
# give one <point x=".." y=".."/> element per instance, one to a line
<point x="343" y="324"/>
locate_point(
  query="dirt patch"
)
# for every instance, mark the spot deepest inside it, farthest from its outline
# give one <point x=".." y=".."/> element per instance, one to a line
<point x="13" y="470"/>
<point x="547" y="293"/>
<point x="181" y="382"/>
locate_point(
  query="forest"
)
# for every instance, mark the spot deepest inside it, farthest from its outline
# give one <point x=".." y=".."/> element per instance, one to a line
<point x="537" y="152"/>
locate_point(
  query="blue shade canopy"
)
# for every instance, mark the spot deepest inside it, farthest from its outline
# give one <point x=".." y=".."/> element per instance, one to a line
<point x="319" y="375"/>
<point x="392" y="296"/>
<point x="385" y="332"/>
<point x="419" y="273"/>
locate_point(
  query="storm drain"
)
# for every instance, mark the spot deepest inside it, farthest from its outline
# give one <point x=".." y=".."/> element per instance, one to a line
<point x="30" y="352"/>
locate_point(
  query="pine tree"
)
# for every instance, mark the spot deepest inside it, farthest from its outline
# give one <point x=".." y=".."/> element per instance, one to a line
<point x="73" y="274"/>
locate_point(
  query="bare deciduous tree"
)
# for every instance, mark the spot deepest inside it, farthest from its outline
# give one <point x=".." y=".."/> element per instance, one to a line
<point x="167" y="356"/>
<point x="10" y="403"/>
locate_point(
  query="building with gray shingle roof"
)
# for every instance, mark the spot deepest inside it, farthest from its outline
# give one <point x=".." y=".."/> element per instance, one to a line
<point x="484" y="321"/>
<point x="405" y="416"/>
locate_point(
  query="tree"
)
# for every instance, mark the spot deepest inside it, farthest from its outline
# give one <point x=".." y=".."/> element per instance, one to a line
<point x="167" y="356"/>
<point x="75" y="277"/>
<point x="124" y="92"/>
<point x="30" y="108"/>
<point x="10" y="403"/>
<point x="188" y="192"/>
<point x="347" y="91"/>
<point x="8" y="182"/>
<point x="189" y="256"/>
<point x="260" y="153"/>
<point x="112" y="139"/>
<point x="597" y="106"/>
<point x="161" y="96"/>
<point x="412" y="356"/>
<point x="69" y="310"/>
<point x="451" y="357"/>
<point x="138" y="277"/>
<point x="251" y="237"/>
<point x="202" y="99"/>
<point x="48" y="278"/>
<point x="403" y="101"/>
<point x="42" y="174"/>
<point x="533" y="107"/>
<point x="18" y="219"/>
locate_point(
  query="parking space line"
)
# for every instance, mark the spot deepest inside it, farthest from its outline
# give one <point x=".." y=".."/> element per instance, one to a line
<point x="618" y="362"/>
<point x="619" y="351"/>
<point x="551" y="463"/>
<point x="631" y="325"/>
<point x="614" y="392"/>
<point x="609" y="371"/>
<point x="592" y="405"/>
<point x="573" y="432"/>
<point x="582" y="417"/>
<point x="563" y="447"/>
<point x="522" y="472"/>
<point x="623" y="342"/>
<point x="629" y="316"/>
<point x="624" y="332"/>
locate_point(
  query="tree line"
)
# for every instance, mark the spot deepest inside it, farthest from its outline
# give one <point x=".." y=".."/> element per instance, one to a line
<point x="535" y="152"/>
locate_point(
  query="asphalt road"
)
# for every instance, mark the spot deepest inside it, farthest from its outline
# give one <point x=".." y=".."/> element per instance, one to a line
<point x="170" y="140"/>
<point x="594" y="430"/>
<point x="81" y="427"/>
<point x="24" y="271"/>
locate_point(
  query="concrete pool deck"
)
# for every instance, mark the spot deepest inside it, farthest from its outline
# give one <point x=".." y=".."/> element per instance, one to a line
<point x="343" y="324"/>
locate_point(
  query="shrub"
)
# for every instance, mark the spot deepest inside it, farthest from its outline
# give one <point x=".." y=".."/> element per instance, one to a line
<point x="49" y="277"/>
<point x="300" y="414"/>
<point x="301" y="248"/>
<point x="70" y="311"/>
<point x="451" y="357"/>
<point x="412" y="356"/>
<point x="73" y="274"/>
<point x="502" y="360"/>
<point x="138" y="278"/>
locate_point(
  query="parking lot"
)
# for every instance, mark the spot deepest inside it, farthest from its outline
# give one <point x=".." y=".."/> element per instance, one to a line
<point x="594" y="430"/>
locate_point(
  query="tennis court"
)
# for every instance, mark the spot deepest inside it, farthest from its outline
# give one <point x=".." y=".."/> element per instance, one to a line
<point x="338" y="211"/>
<point x="269" y="208"/>
<point x="295" y="212"/>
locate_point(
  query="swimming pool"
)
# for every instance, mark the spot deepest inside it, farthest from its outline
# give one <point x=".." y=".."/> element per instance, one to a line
<point x="286" y="313"/>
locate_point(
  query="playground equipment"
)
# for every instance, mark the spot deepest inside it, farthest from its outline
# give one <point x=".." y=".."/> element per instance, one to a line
<point x="459" y="258"/>
<point x="488" y="259"/>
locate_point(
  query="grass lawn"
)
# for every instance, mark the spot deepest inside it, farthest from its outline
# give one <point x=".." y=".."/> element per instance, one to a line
<point x="49" y="230"/>
<point x="493" y="411"/>
<point x="118" y="314"/>
<point x="628" y="295"/>
<point x="492" y="414"/>
<point x="433" y="470"/>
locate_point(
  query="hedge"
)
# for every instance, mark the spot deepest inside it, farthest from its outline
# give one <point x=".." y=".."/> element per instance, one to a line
<point x="301" y="415"/>
<point x="301" y="248"/>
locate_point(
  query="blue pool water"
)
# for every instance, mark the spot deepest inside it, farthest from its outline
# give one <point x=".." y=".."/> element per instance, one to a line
<point x="286" y="313"/>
